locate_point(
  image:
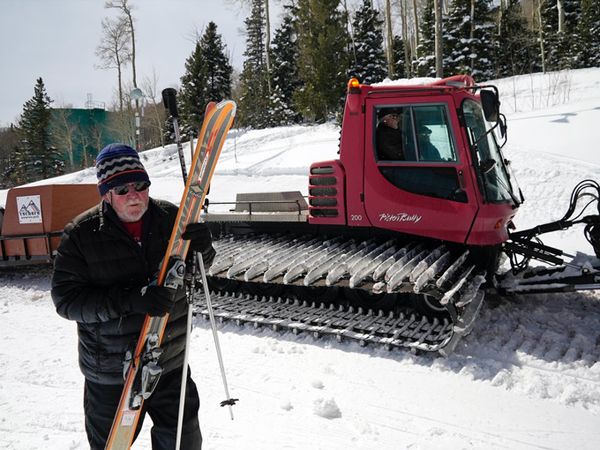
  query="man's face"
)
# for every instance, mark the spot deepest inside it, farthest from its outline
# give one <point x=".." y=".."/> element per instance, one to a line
<point x="131" y="205"/>
<point x="392" y="120"/>
<point x="424" y="136"/>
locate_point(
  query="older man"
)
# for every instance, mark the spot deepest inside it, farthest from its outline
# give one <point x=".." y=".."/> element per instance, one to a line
<point x="103" y="274"/>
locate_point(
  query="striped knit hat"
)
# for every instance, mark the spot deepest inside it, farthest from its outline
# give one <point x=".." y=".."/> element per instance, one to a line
<point x="118" y="164"/>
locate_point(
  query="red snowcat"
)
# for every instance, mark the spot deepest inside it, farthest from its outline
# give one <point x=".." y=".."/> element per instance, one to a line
<point x="401" y="236"/>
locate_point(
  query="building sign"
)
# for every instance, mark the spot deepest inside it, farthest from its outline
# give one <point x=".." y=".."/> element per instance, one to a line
<point x="30" y="209"/>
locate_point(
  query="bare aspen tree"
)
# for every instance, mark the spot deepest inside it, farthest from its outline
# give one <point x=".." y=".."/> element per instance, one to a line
<point x="96" y="140"/>
<point x="114" y="50"/>
<point x="350" y="30"/>
<point x="439" y="57"/>
<point x="63" y="133"/>
<point x="405" y="37"/>
<point x="561" y="15"/>
<point x="157" y="114"/>
<point x="267" y="36"/>
<point x="86" y="142"/>
<point x="541" y="35"/>
<point x="125" y="8"/>
<point x="472" y="30"/>
<point x="389" y="39"/>
<point x="416" y="19"/>
<point x="268" y="45"/>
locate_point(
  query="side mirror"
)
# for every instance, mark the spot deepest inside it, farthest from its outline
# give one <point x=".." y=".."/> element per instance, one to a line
<point x="490" y="105"/>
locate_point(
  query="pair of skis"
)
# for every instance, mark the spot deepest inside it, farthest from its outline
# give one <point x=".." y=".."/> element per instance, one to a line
<point x="144" y="372"/>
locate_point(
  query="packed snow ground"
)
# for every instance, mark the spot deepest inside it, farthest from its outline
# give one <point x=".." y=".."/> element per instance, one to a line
<point x="528" y="376"/>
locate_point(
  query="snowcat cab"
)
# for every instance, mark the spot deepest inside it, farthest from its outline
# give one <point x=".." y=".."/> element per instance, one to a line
<point x="451" y="182"/>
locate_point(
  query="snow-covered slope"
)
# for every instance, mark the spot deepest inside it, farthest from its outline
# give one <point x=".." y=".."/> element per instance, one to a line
<point x="528" y="376"/>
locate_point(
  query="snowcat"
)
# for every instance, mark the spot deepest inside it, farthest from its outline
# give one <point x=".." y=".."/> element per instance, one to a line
<point x="394" y="250"/>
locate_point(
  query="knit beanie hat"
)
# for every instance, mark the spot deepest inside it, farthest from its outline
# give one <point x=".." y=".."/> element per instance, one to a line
<point x="118" y="164"/>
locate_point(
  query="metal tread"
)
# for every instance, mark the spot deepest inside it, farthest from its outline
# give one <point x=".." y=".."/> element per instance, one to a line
<point x="373" y="265"/>
<point x="413" y="331"/>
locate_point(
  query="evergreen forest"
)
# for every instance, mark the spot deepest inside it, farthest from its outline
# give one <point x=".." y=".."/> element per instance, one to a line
<point x="296" y="65"/>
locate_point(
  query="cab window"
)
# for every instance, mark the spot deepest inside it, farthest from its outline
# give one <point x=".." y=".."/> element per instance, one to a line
<point x="414" y="133"/>
<point x="412" y="143"/>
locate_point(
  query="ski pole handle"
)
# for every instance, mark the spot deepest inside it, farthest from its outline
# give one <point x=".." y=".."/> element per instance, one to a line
<point x="169" y="96"/>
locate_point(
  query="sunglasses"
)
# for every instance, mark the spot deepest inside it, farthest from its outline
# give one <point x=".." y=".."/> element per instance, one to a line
<point x="140" y="186"/>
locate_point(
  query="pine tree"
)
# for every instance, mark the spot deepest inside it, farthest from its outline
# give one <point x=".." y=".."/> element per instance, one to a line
<point x="280" y="112"/>
<point x="515" y="44"/>
<point x="425" y="63"/>
<point x="323" y="58"/>
<point x="560" y="46"/>
<point x="191" y="96"/>
<point x="369" y="63"/>
<point x="284" y="74"/>
<point x="254" y="98"/>
<point x="169" y="131"/>
<point x="207" y="78"/>
<point x="468" y="43"/>
<point x="217" y="70"/>
<point x="9" y="144"/>
<point x="588" y="46"/>
<point x="37" y="159"/>
<point x="399" y="55"/>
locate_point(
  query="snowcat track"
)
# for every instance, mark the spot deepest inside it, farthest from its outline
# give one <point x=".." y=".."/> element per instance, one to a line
<point x="319" y="319"/>
<point x="446" y="277"/>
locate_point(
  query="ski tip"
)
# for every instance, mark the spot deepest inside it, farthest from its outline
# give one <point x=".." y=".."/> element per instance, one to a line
<point x="209" y="107"/>
<point x="227" y="104"/>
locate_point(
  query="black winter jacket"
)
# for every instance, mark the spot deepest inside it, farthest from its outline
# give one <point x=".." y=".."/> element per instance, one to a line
<point x="95" y="269"/>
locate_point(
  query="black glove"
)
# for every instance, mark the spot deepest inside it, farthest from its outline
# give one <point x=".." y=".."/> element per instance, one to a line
<point x="152" y="300"/>
<point x="197" y="232"/>
<point x="201" y="241"/>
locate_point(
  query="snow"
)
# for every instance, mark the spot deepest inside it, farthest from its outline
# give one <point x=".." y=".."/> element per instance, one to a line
<point x="528" y="375"/>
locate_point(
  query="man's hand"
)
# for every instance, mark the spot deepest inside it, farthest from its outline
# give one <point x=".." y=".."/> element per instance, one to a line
<point x="152" y="300"/>
<point x="201" y="241"/>
<point x="197" y="232"/>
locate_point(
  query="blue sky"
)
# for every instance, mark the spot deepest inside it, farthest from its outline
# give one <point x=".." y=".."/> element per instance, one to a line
<point x="56" y="40"/>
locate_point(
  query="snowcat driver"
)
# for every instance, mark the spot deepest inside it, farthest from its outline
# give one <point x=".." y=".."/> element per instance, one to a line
<point x="389" y="136"/>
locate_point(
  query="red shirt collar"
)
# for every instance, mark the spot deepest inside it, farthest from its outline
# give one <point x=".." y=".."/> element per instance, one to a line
<point x="135" y="230"/>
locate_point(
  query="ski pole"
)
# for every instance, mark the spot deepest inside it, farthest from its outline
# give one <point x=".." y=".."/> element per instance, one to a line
<point x="186" y="355"/>
<point x="229" y="401"/>
<point x="169" y="96"/>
